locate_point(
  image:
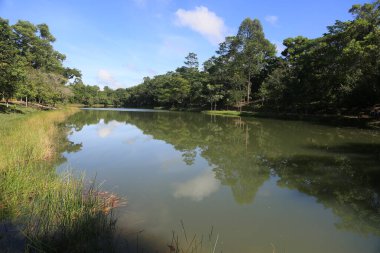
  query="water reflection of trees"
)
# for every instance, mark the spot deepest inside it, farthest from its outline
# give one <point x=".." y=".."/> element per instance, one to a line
<point x="347" y="182"/>
<point x="64" y="145"/>
<point x="340" y="168"/>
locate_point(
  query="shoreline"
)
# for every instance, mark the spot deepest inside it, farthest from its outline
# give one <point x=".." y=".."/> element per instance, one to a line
<point x="46" y="210"/>
<point x="329" y="119"/>
<point x="363" y="122"/>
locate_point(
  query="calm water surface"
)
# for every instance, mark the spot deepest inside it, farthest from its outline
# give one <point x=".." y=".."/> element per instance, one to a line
<point x="263" y="185"/>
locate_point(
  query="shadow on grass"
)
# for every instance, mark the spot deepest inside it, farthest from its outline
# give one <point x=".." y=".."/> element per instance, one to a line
<point x="87" y="233"/>
<point x="11" y="239"/>
<point x="10" y="109"/>
<point x="87" y="238"/>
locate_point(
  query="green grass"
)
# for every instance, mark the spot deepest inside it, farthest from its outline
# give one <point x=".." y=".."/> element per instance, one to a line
<point x="58" y="213"/>
<point x="54" y="213"/>
<point x="14" y="111"/>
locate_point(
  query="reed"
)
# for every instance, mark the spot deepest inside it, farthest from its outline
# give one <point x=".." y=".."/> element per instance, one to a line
<point x="53" y="213"/>
<point x="60" y="213"/>
<point x="181" y="243"/>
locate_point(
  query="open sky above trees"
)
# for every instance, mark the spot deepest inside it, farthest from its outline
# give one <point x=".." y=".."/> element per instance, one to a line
<point x="118" y="43"/>
<point x="337" y="72"/>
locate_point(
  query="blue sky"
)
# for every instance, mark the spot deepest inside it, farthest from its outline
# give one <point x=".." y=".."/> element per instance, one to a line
<point x="118" y="42"/>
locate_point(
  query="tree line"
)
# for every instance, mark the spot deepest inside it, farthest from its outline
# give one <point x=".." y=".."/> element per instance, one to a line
<point x="335" y="73"/>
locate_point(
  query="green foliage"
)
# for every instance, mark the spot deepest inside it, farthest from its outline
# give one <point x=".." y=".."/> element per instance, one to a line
<point x="11" y="65"/>
<point x="192" y="61"/>
<point x="253" y="50"/>
<point x="52" y="213"/>
<point x="30" y="67"/>
<point x="241" y="59"/>
<point x="338" y="72"/>
<point x="273" y="88"/>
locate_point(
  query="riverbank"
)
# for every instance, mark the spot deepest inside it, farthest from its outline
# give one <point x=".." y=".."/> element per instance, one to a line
<point x="335" y="120"/>
<point x="41" y="211"/>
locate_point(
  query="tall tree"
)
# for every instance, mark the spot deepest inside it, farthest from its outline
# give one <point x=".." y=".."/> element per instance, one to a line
<point x="191" y="61"/>
<point x="253" y="50"/>
<point x="11" y="65"/>
<point x="45" y="76"/>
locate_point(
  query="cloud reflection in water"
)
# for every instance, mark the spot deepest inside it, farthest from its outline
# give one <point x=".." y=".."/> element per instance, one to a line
<point x="104" y="130"/>
<point x="197" y="188"/>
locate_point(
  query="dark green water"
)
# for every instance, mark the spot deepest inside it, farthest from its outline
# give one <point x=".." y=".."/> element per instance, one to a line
<point x="264" y="185"/>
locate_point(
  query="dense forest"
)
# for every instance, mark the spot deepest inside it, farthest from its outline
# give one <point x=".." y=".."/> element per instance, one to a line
<point x="338" y="72"/>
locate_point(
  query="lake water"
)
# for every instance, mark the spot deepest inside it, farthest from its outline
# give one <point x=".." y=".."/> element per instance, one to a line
<point x="254" y="185"/>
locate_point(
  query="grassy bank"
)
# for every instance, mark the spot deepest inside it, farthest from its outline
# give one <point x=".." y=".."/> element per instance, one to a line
<point x="46" y="212"/>
<point x="335" y="120"/>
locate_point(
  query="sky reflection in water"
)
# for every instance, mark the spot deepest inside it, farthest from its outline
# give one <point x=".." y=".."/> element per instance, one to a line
<point x="298" y="186"/>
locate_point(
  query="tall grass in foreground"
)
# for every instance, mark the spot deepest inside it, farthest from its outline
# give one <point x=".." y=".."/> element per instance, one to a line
<point x="54" y="213"/>
<point x="182" y="243"/>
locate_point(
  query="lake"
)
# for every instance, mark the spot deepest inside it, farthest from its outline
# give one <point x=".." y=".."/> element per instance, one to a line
<point x="236" y="184"/>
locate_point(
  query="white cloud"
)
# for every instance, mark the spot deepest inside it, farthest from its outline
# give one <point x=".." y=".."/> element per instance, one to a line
<point x="271" y="19"/>
<point x="279" y="47"/>
<point x="203" y="21"/>
<point x="104" y="130"/>
<point x="106" y="79"/>
<point x="198" y="188"/>
<point x="133" y="139"/>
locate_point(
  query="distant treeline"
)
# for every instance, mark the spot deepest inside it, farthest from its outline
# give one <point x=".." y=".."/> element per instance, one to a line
<point x="337" y="72"/>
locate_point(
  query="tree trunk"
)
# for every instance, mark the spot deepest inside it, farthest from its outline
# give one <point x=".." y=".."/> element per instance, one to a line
<point x="26" y="101"/>
<point x="249" y="86"/>
<point x="6" y="101"/>
<point x="215" y="106"/>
